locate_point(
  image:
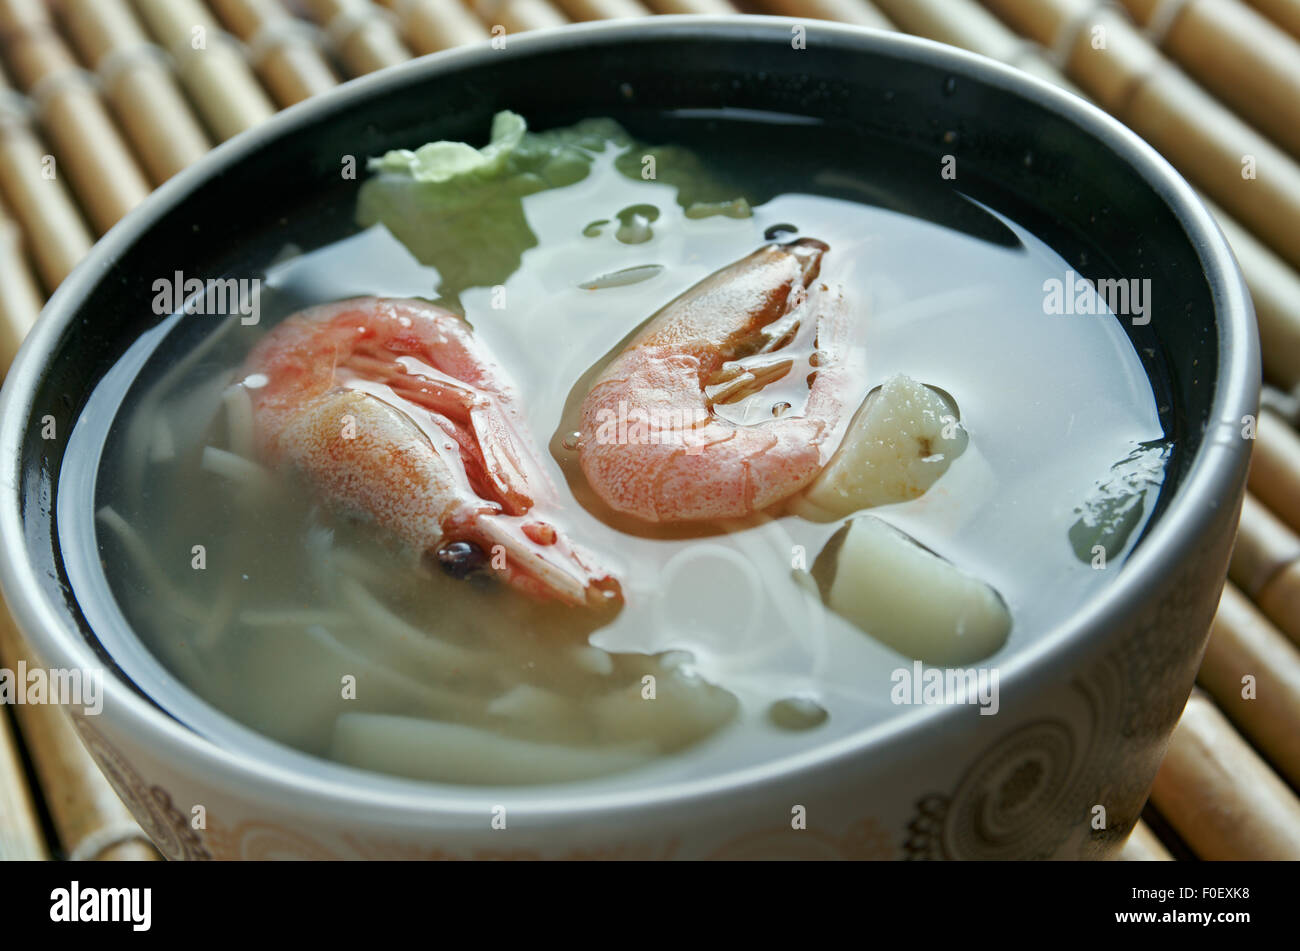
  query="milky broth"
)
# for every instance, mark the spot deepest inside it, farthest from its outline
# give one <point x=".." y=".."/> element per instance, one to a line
<point x="293" y="600"/>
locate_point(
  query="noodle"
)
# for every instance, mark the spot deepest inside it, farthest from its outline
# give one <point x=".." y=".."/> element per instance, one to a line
<point x="216" y="624"/>
<point x="593" y="660"/>
<point x="139" y="553"/>
<point x="408" y="639"/>
<point x="139" y="436"/>
<point x="525" y="702"/>
<point x="683" y="709"/>
<point x="426" y="749"/>
<point x="358" y="566"/>
<point x="437" y="700"/>
<point x="237" y="469"/>
<point x="239" y="419"/>
<point x="164" y="445"/>
<point x="291" y="617"/>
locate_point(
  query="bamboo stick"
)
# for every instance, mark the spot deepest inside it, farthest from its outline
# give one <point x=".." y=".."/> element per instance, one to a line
<point x="103" y="173"/>
<point x="1235" y="53"/>
<point x="100" y="167"/>
<point x="1263" y="548"/>
<point x="1266" y="565"/>
<point x="292" y="68"/>
<point x="153" y="112"/>
<point x="858" y="12"/>
<point x="361" y="34"/>
<point x="966" y="24"/>
<point x="1285" y="13"/>
<point x="1265" y="707"/>
<point x="1105" y="54"/>
<point x="1144" y="846"/>
<point x="90" y="819"/>
<point x="1275" y="290"/>
<point x="57" y="238"/>
<point x="137" y="83"/>
<point x="518" y="16"/>
<point x="1207" y="141"/>
<point x="954" y="22"/>
<point x="1219" y="796"/>
<point x="210" y="65"/>
<point x="699" y="7"/>
<point x="20" y="301"/>
<point x="603" y="9"/>
<point x="432" y="25"/>
<point x="1039" y="21"/>
<point x="1275" y="468"/>
<point x="1284" y="405"/>
<point x="280" y="48"/>
<point x="21" y="838"/>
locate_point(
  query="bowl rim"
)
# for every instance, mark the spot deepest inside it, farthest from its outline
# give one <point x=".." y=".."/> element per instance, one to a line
<point x="1213" y="475"/>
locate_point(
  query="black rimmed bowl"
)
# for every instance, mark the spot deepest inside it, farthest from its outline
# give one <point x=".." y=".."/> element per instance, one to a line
<point x="1085" y="713"/>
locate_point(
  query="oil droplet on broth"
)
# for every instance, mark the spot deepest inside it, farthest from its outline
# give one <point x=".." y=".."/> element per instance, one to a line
<point x="624" y="277"/>
<point x="634" y="224"/>
<point x="797" y="713"/>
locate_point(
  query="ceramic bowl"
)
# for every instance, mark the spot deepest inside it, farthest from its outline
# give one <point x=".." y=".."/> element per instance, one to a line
<point x="1085" y="713"/>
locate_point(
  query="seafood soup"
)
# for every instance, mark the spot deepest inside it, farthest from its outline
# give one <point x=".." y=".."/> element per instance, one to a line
<point x="571" y="456"/>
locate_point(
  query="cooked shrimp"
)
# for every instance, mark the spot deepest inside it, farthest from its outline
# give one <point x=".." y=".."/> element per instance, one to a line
<point x="392" y="410"/>
<point x="687" y="458"/>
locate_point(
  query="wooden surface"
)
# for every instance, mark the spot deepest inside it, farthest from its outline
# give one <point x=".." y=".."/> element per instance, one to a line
<point x="101" y="100"/>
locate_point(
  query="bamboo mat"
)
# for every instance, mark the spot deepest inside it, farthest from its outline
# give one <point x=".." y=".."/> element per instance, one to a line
<point x="102" y="100"/>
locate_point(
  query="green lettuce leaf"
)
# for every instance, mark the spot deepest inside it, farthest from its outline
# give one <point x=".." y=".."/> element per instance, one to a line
<point x="460" y="209"/>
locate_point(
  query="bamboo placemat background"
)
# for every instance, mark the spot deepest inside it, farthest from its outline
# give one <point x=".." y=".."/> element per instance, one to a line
<point x="102" y="100"/>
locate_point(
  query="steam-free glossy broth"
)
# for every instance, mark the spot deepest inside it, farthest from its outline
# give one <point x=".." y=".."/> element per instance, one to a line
<point x="313" y="629"/>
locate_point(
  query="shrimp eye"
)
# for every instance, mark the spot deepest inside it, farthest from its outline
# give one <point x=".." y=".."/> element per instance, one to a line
<point x="461" y="559"/>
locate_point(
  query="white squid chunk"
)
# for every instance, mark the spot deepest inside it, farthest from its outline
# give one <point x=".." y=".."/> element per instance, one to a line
<point x="902" y="439"/>
<point x="906" y="596"/>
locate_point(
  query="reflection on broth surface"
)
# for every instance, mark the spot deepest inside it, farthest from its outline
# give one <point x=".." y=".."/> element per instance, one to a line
<point x="312" y="626"/>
